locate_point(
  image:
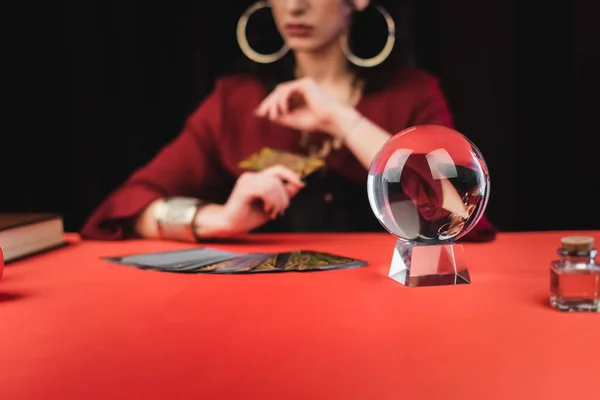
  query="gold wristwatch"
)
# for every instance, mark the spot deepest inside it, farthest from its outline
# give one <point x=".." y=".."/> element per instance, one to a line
<point x="175" y="218"/>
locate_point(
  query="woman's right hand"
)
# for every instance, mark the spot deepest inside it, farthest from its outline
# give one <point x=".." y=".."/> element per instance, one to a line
<point x="257" y="197"/>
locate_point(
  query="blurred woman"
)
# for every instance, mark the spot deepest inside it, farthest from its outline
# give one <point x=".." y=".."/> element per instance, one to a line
<point x="315" y="97"/>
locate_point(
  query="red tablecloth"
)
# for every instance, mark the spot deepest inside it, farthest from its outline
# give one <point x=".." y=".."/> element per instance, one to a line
<point x="75" y="327"/>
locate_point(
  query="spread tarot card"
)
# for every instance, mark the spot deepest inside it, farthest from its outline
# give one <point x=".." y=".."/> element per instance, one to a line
<point x="268" y="157"/>
<point x="212" y="261"/>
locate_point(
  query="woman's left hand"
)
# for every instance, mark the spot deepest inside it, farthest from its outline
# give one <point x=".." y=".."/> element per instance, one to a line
<point x="302" y="104"/>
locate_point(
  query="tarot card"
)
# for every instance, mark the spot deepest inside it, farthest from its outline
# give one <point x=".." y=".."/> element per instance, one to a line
<point x="175" y="261"/>
<point x="305" y="260"/>
<point x="268" y="157"/>
<point x="242" y="264"/>
<point x="268" y="265"/>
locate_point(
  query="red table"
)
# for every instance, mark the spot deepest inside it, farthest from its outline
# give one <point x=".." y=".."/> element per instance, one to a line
<point x="75" y="327"/>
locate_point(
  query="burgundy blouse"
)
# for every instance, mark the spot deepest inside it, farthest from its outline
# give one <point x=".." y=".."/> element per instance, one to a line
<point x="202" y="161"/>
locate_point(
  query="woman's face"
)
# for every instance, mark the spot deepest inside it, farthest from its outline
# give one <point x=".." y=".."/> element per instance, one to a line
<point x="309" y="25"/>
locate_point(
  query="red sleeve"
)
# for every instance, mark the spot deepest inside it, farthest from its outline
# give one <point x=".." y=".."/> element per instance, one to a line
<point x="182" y="168"/>
<point x="431" y="107"/>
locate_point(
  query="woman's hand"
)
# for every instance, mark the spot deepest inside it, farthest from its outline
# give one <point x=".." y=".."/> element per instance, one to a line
<point x="257" y="197"/>
<point x="302" y="104"/>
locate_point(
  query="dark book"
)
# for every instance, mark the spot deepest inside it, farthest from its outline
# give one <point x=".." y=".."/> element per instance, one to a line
<point x="25" y="234"/>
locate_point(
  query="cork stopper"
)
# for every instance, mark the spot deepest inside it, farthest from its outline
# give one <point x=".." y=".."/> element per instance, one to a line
<point x="577" y="243"/>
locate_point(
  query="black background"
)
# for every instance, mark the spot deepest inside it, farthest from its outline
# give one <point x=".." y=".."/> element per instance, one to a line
<point x="95" y="88"/>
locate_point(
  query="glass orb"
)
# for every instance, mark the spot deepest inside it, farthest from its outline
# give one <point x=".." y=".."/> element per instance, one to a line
<point x="428" y="185"/>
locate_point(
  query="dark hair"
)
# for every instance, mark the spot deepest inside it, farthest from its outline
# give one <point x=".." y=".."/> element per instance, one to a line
<point x="367" y="37"/>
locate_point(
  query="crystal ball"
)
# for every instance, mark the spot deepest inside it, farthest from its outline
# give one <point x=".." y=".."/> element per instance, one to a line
<point x="429" y="184"/>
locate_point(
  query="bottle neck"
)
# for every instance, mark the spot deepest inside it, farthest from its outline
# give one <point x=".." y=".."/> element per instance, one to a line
<point x="577" y="258"/>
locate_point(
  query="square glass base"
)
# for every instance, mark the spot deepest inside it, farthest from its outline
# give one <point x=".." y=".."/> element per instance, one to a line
<point x="575" y="289"/>
<point x="429" y="265"/>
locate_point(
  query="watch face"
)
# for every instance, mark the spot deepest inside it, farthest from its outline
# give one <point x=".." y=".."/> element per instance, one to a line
<point x="176" y="214"/>
<point x="183" y="201"/>
<point x="180" y="210"/>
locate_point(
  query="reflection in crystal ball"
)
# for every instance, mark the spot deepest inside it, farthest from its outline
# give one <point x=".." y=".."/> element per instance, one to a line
<point x="428" y="185"/>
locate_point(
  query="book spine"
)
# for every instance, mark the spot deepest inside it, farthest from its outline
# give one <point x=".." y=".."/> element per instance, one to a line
<point x="1" y="263"/>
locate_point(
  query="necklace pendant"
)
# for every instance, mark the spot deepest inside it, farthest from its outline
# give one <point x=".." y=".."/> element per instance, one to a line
<point x="325" y="150"/>
<point x="337" y="144"/>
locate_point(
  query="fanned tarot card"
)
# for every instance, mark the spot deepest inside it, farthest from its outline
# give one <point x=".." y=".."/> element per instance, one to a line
<point x="268" y="157"/>
<point x="211" y="261"/>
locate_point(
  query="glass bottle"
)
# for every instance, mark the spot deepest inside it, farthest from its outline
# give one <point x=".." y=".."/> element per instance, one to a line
<point x="575" y="276"/>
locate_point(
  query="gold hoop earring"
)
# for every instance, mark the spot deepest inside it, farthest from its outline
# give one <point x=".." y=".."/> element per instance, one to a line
<point x="385" y="52"/>
<point x="243" y="40"/>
